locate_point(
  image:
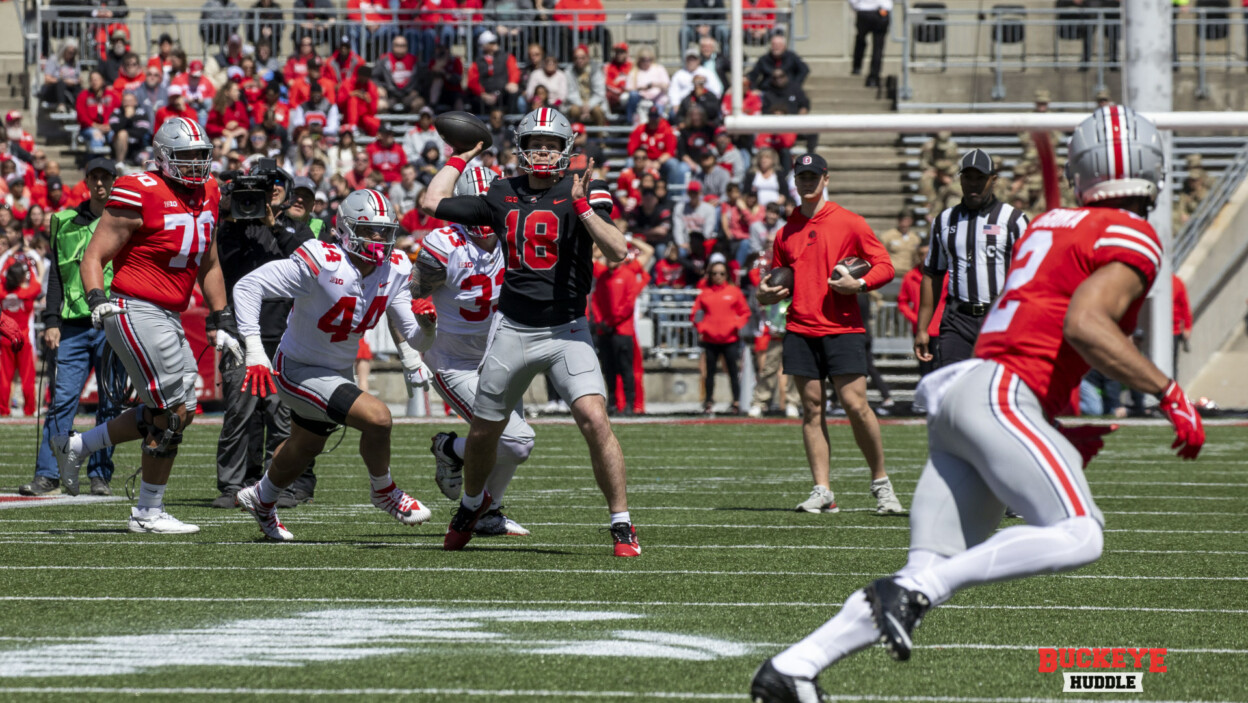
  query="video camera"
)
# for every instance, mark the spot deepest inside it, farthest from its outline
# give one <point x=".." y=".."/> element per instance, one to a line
<point x="249" y="193"/>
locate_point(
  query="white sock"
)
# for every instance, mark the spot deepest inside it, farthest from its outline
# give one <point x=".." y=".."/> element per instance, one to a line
<point x="848" y="631"/>
<point x="881" y="482"/>
<point x="1012" y="553"/>
<point x="267" y="490"/>
<point x="91" y="441"/>
<point x="151" y="496"/>
<point x="457" y="447"/>
<point x="381" y="483"/>
<point x="498" y="481"/>
<point x="472" y="502"/>
<point x="620" y="517"/>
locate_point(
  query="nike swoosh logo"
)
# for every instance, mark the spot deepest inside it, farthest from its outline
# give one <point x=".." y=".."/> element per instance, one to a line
<point x="561" y="200"/>
<point x="1186" y="415"/>
<point x="900" y="632"/>
<point x="574" y="329"/>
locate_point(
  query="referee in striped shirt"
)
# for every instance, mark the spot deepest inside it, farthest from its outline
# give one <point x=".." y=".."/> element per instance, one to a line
<point x="972" y="242"/>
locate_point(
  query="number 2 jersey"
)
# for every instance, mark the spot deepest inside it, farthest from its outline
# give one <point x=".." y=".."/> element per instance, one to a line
<point x="1059" y="251"/>
<point x="466" y="301"/>
<point x="160" y="262"/>
<point x="334" y="305"/>
<point x="547" y="249"/>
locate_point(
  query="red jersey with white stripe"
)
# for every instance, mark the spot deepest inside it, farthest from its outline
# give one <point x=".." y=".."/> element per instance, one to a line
<point x="1060" y="250"/>
<point x="466" y="301"/>
<point x="160" y="262"/>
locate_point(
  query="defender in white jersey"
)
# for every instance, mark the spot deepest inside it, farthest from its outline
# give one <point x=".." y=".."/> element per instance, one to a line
<point x="461" y="270"/>
<point x="340" y="291"/>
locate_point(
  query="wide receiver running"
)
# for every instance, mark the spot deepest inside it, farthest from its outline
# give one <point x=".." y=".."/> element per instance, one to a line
<point x="1076" y="284"/>
<point x="340" y="290"/>
<point x="549" y="225"/>
<point x="157" y="231"/>
<point x="461" y="270"/>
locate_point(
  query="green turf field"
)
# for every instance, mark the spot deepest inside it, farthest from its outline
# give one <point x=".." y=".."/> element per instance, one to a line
<point x="363" y="607"/>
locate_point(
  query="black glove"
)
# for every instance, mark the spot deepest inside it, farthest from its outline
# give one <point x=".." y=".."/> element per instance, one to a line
<point x="223" y="320"/>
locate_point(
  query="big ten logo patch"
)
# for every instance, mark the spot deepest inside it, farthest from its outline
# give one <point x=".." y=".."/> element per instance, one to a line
<point x="1102" y="669"/>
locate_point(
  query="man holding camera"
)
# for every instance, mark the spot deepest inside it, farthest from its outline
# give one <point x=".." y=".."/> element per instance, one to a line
<point x="257" y="229"/>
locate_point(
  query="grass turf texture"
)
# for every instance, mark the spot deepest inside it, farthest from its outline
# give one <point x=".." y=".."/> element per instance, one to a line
<point x="723" y="557"/>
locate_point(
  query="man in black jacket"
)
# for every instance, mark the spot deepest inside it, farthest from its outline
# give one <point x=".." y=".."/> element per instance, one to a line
<point x="779" y="56"/>
<point x="243" y="451"/>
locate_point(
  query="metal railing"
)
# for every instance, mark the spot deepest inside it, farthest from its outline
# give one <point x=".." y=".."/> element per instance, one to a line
<point x="1014" y="38"/>
<point x="1185" y="240"/>
<point x="668" y="310"/>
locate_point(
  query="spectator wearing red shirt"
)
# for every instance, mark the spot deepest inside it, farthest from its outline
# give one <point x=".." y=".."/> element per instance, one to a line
<point x="1182" y="320"/>
<point x="494" y="80"/>
<point x="20" y="288"/>
<point x="825" y="337"/>
<point x="670" y="271"/>
<point x="297" y="65"/>
<point x="758" y="20"/>
<point x="36" y="177"/>
<point x="417" y="224"/>
<point x="386" y="156"/>
<point x="616" y="71"/>
<point x="131" y="75"/>
<point x="617" y="285"/>
<point x="719" y="313"/>
<point x="658" y="139"/>
<point x="908" y="303"/>
<point x="357" y="102"/>
<point x="78" y="194"/>
<point x="197" y="90"/>
<point x="628" y="184"/>
<point x="395" y="73"/>
<point x="15" y="133"/>
<point x="95" y="105"/>
<point x="229" y="116"/>
<point x="582" y="22"/>
<point x="272" y="100"/>
<point x="357" y="177"/>
<point x="176" y="107"/>
<point x="55" y="201"/>
<point x="343" y="63"/>
<point x="314" y="72"/>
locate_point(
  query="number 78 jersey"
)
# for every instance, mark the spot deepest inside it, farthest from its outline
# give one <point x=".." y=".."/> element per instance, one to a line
<point x="1060" y="250"/>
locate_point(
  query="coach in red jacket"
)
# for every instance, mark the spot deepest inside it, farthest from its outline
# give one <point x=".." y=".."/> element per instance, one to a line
<point x="825" y="336"/>
<point x="617" y="285"/>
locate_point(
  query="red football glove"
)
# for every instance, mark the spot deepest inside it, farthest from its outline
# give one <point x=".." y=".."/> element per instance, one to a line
<point x="259" y="381"/>
<point x="424" y="306"/>
<point x="1088" y="439"/>
<point x="1189" y="431"/>
<point x="11" y="332"/>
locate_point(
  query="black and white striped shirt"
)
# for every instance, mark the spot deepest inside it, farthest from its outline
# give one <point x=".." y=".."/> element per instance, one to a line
<point x="975" y="248"/>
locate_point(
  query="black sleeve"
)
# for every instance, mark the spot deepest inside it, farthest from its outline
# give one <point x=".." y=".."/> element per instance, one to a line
<point x="801" y="70"/>
<point x="467" y="210"/>
<point x="288" y="241"/>
<point x="55" y="293"/>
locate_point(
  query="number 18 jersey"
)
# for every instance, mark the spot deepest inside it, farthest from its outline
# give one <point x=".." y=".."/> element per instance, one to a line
<point x="466" y="301"/>
<point x="1060" y="250"/>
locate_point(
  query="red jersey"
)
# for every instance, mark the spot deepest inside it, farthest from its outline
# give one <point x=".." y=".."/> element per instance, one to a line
<point x="1060" y="250"/>
<point x="387" y="160"/>
<point x="160" y="262"/>
<point x="19" y="305"/>
<point x="669" y="274"/>
<point x="661" y="141"/>
<point x="615" y="295"/>
<point x="813" y="247"/>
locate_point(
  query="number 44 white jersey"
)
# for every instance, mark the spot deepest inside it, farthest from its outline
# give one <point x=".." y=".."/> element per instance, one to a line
<point x="334" y="305"/>
<point x="466" y="302"/>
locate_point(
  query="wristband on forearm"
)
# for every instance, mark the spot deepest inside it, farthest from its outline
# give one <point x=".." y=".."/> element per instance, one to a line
<point x="583" y="209"/>
<point x="96" y="298"/>
<point x="457" y="163"/>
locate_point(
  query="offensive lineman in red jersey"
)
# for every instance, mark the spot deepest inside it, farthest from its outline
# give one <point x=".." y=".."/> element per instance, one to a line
<point x="157" y="231"/>
<point x="1077" y="282"/>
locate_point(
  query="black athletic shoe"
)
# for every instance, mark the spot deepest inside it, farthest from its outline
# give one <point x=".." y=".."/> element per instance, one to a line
<point x="41" y="486"/>
<point x="897" y="611"/>
<point x="771" y="686"/>
<point x="303" y="495"/>
<point x="99" y="486"/>
<point x="225" y="500"/>
<point x="286" y="500"/>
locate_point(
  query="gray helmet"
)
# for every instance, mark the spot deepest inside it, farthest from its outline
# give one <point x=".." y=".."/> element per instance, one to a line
<point x="183" y="152"/>
<point x="362" y="213"/>
<point x="1113" y="154"/>
<point x="476" y="181"/>
<point x="547" y="121"/>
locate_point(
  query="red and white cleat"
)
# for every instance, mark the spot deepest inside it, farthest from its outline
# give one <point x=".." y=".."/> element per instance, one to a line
<point x="248" y="500"/>
<point x="625" y="537"/>
<point x="459" y="533"/>
<point x="403" y="507"/>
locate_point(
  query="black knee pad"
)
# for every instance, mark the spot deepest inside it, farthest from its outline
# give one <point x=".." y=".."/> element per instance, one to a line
<point x="316" y="427"/>
<point x="166" y="441"/>
<point x="340" y="402"/>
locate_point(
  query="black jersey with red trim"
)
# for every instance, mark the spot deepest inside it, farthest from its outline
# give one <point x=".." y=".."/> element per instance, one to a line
<point x="547" y="249"/>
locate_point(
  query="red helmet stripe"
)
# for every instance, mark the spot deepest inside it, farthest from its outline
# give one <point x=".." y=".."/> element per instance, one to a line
<point x="379" y="202"/>
<point x="1116" y="156"/>
<point x="190" y="124"/>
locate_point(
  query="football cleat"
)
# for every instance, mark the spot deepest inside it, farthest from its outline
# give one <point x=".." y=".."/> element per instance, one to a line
<point x="771" y="686"/>
<point x="403" y="507"/>
<point x="68" y="461"/>
<point x="495" y="524"/>
<point x="897" y="611"/>
<point x="450" y="472"/>
<point x="886" y="502"/>
<point x="99" y="486"/>
<point x="821" y="500"/>
<point x="160" y="524"/>
<point x="248" y="500"/>
<point x="41" y="486"/>
<point x="459" y="532"/>
<point x="625" y="537"/>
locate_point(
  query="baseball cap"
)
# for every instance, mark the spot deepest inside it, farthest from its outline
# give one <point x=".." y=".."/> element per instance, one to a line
<point x="303" y="183"/>
<point x="694" y="187"/>
<point x="578" y="127"/>
<point x="810" y="163"/>
<point x="426" y="110"/>
<point x="1043" y="96"/>
<point x="654" y="112"/>
<point x="54" y="182"/>
<point x="12" y="116"/>
<point x="487" y="37"/>
<point x="236" y="74"/>
<point x="197" y="68"/>
<point x="118" y="34"/>
<point x="344" y="39"/>
<point x="977" y="159"/>
<point x="621" y="46"/>
<point x="102" y="164"/>
<point x="691" y="52"/>
<point x="175" y="90"/>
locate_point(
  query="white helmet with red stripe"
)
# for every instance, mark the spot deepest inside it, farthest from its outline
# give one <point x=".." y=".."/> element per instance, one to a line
<point x="367" y="226"/>
<point x="183" y="152"/>
<point x="544" y="121"/>
<point x="1114" y="154"/>
<point x="476" y="181"/>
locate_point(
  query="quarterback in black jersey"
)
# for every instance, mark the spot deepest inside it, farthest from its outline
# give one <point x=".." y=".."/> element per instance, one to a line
<point x="547" y="225"/>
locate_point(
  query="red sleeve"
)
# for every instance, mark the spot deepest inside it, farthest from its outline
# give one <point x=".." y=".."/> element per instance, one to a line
<point x="126" y="195"/>
<point x="353" y="10"/>
<point x="742" y="309"/>
<point x="778" y="257"/>
<point x="1135" y="245"/>
<point x="622" y="309"/>
<point x="882" y="270"/>
<point x="634" y="139"/>
<point x="216" y="124"/>
<point x="513" y="70"/>
<point x="474" y="81"/>
<point x="85" y="118"/>
<point x="289" y="70"/>
<point x="1182" y="307"/>
<point x="30" y="291"/>
<point x="907" y="301"/>
<point x="669" y="141"/>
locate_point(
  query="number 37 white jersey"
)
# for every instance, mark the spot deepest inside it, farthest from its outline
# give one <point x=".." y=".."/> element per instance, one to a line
<point x="334" y="305"/>
<point x="466" y="302"/>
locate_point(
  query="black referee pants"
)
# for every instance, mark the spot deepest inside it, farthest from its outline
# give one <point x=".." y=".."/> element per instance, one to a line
<point x="958" y="332"/>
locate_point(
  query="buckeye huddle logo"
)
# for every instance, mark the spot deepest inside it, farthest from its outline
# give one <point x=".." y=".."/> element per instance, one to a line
<point x="1094" y="667"/>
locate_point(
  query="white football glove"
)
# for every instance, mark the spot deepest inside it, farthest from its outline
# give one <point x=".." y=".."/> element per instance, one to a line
<point x="102" y="312"/>
<point x="417" y="376"/>
<point x="226" y="341"/>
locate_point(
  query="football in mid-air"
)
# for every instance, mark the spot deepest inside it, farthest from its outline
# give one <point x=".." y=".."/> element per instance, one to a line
<point x="462" y="130"/>
<point x="857" y="267"/>
<point x="781" y="276"/>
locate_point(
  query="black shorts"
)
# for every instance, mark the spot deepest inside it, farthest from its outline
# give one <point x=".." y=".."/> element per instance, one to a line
<point x="824" y="357"/>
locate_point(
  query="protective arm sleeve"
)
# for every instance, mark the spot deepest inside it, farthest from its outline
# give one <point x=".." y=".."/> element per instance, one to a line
<point x="428" y="275"/>
<point x="402" y="319"/>
<point x="277" y="279"/>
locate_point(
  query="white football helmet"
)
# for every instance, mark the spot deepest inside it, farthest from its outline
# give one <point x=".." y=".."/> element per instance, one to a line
<point x="545" y="121"/>
<point x="476" y="181"/>
<point x="361" y="216"/>
<point x="183" y="152"/>
<point x="1113" y="154"/>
